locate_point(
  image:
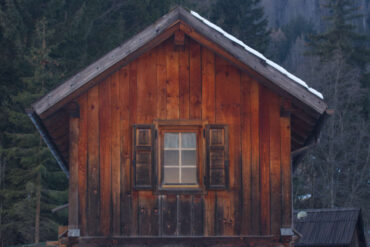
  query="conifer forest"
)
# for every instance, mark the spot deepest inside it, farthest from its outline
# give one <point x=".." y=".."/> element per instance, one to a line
<point x="44" y="42"/>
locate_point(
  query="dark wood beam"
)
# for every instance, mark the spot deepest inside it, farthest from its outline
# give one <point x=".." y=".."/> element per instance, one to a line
<point x="179" y="39"/>
<point x="52" y="147"/>
<point x="268" y="241"/>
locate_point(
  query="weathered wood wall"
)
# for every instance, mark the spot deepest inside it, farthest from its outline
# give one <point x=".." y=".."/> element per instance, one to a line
<point x="189" y="82"/>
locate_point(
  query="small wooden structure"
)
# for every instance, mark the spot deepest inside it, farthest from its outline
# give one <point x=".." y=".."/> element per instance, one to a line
<point x="337" y="227"/>
<point x="183" y="134"/>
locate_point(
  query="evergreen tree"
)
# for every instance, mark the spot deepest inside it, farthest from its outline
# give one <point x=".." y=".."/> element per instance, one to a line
<point x="341" y="35"/>
<point x="284" y="40"/>
<point x="245" y="19"/>
<point x="336" y="173"/>
<point x="29" y="194"/>
<point x="50" y="41"/>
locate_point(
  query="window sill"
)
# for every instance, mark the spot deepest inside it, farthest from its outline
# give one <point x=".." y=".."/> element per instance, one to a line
<point x="190" y="191"/>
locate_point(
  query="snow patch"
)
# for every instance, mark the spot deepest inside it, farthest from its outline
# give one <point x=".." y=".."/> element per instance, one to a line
<point x="317" y="93"/>
<point x="257" y="54"/>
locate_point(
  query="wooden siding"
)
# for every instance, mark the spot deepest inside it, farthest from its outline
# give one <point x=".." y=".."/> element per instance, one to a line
<point x="182" y="82"/>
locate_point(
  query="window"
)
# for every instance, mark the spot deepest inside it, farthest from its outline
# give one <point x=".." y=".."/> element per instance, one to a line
<point x="180" y="155"/>
<point x="180" y="158"/>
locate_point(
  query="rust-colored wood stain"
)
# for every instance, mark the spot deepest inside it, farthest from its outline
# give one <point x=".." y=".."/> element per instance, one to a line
<point x="182" y="82"/>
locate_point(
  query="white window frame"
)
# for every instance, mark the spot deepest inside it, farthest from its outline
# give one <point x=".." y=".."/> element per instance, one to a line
<point x="180" y="149"/>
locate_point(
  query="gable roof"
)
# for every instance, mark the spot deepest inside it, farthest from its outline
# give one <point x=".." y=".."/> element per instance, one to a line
<point x="258" y="54"/>
<point x="254" y="62"/>
<point x="308" y="110"/>
<point x="329" y="227"/>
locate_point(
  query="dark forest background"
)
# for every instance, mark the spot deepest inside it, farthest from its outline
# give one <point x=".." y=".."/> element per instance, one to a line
<point x="43" y="42"/>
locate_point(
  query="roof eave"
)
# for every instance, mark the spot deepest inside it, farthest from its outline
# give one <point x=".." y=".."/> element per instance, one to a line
<point x="255" y="63"/>
<point x="55" y="98"/>
<point x="48" y="141"/>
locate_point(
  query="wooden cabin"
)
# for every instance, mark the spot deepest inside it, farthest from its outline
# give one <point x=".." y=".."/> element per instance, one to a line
<point x="331" y="227"/>
<point x="183" y="135"/>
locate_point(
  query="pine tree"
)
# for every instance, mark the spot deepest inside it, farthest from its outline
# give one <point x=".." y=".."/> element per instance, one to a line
<point x="341" y="35"/>
<point x="335" y="174"/>
<point x="29" y="194"/>
<point x="245" y="19"/>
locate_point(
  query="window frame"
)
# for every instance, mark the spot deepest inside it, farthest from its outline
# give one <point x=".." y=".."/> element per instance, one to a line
<point x="181" y="126"/>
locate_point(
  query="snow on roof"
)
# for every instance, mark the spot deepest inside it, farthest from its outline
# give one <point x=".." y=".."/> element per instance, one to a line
<point x="257" y="54"/>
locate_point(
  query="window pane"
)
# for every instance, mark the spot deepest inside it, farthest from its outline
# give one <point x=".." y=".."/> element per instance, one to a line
<point x="188" y="140"/>
<point x="171" y="175"/>
<point x="189" y="175"/>
<point x="171" y="140"/>
<point x="188" y="158"/>
<point x="171" y="158"/>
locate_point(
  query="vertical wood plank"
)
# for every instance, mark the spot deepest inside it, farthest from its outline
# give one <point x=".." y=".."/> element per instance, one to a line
<point x="246" y="153"/>
<point x="105" y="155"/>
<point x="169" y="215"/>
<point x="286" y="170"/>
<point x="73" y="171"/>
<point x="228" y="112"/>
<point x="223" y="210"/>
<point x="155" y="216"/>
<point x="146" y="88"/>
<point x="161" y="81"/>
<point x="172" y="60"/>
<point x="197" y="215"/>
<point x="208" y="85"/>
<point x="148" y="214"/>
<point x="160" y="214"/>
<point x="146" y="113"/>
<point x="265" y="160"/>
<point x="116" y="153"/>
<point x="133" y="91"/>
<point x="133" y="119"/>
<point x="82" y="164"/>
<point x="184" y="81"/>
<point x="195" y="81"/>
<point x="185" y="215"/>
<point x="255" y="188"/>
<point x="93" y="203"/>
<point x="144" y="226"/>
<point x="125" y="145"/>
<point x="235" y="141"/>
<point x="275" y="171"/>
<point x="209" y="213"/>
<point x="208" y="113"/>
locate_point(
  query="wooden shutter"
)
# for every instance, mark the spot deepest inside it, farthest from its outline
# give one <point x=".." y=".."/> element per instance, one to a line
<point x="143" y="156"/>
<point x="217" y="156"/>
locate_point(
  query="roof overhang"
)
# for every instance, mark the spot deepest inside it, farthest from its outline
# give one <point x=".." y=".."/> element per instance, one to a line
<point x="262" y="69"/>
<point x="308" y="108"/>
